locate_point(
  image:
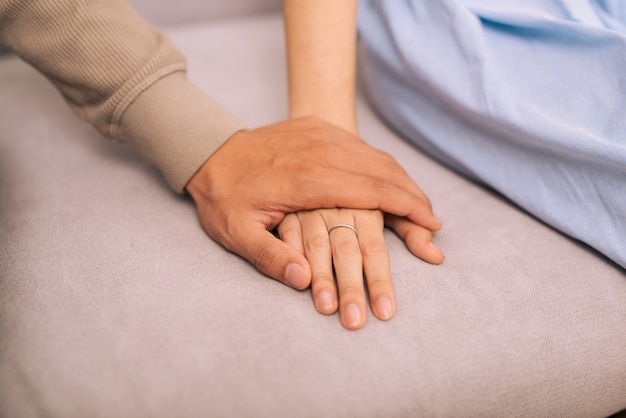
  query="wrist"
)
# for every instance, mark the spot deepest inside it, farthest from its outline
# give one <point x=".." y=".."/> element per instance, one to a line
<point x="344" y="120"/>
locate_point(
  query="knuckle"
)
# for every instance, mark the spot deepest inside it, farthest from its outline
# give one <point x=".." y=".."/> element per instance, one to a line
<point x="380" y="186"/>
<point x="321" y="148"/>
<point x="351" y="291"/>
<point x="289" y="232"/>
<point x="418" y="237"/>
<point x="281" y="162"/>
<point x="379" y="285"/>
<point x="343" y="248"/>
<point x="316" y="242"/>
<point x="311" y="170"/>
<point x="319" y="278"/>
<point x="374" y="248"/>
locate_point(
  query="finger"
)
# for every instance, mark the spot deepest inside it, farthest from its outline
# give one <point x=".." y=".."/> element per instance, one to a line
<point x="370" y="225"/>
<point x="318" y="252"/>
<point x="332" y="188"/>
<point x="270" y="255"/>
<point x="349" y="271"/>
<point x="290" y="232"/>
<point x="418" y="240"/>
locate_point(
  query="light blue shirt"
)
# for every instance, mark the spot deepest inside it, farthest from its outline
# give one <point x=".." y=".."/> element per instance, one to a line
<point x="526" y="96"/>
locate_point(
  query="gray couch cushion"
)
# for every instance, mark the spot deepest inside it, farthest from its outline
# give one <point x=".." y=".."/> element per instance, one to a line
<point x="167" y="13"/>
<point x="113" y="302"/>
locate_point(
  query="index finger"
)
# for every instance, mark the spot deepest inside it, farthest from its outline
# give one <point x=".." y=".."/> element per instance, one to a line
<point x="340" y="189"/>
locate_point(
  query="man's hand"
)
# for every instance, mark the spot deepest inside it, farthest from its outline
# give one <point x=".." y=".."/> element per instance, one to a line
<point x="246" y="188"/>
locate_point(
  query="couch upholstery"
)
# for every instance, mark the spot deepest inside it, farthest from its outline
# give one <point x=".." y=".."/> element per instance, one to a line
<point x="114" y="303"/>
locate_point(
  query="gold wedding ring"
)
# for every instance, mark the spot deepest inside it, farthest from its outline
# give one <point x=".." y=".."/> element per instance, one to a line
<point x="343" y="226"/>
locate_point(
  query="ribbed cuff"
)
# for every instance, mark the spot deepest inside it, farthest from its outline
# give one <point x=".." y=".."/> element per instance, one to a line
<point x="177" y="127"/>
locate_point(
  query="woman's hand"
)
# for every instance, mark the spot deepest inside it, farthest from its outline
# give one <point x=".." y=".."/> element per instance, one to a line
<point x="325" y="238"/>
<point x="321" y="55"/>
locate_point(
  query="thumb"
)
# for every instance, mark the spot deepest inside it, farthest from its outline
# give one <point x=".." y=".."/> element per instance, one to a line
<point x="272" y="256"/>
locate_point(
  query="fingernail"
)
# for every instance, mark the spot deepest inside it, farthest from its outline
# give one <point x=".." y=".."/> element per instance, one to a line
<point x="324" y="301"/>
<point x="384" y="308"/>
<point x="438" y="219"/>
<point x="352" y="315"/>
<point x="294" y="275"/>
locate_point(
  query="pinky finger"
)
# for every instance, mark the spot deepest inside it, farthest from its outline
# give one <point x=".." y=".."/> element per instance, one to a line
<point x="418" y="240"/>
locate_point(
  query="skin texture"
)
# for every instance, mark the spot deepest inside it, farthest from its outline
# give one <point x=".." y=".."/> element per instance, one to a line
<point x="259" y="179"/>
<point x="247" y="186"/>
<point x="321" y="54"/>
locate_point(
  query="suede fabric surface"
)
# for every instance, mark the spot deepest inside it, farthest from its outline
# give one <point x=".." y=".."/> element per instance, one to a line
<point x="114" y="303"/>
<point x="170" y="12"/>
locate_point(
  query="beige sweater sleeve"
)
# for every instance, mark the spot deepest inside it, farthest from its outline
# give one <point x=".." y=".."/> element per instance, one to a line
<point x="121" y="75"/>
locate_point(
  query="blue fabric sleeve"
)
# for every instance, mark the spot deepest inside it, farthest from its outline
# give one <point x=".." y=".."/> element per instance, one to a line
<point x="525" y="96"/>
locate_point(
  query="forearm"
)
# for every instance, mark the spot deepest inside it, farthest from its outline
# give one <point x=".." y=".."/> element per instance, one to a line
<point x="99" y="54"/>
<point x="321" y="55"/>
<point x="122" y="75"/>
